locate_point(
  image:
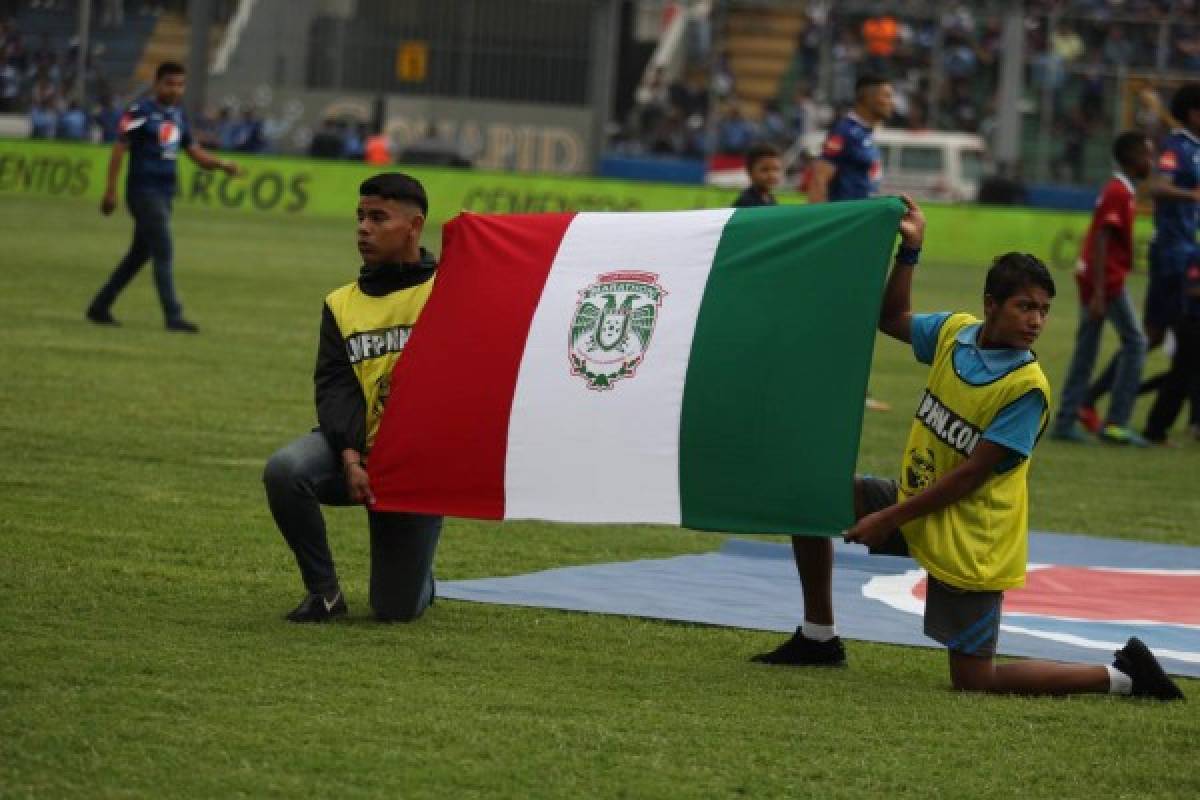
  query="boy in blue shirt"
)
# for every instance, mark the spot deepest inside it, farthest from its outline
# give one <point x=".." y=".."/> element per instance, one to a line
<point x="961" y="505"/>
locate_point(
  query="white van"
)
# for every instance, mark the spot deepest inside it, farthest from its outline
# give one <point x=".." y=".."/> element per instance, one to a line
<point x="929" y="165"/>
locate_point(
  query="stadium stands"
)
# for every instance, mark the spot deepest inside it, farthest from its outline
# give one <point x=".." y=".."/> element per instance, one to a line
<point x="778" y="70"/>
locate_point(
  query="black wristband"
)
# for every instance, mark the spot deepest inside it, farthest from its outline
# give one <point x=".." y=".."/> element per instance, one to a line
<point x="907" y="256"/>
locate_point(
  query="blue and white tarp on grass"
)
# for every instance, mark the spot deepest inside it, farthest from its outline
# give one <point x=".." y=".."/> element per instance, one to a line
<point x="1085" y="596"/>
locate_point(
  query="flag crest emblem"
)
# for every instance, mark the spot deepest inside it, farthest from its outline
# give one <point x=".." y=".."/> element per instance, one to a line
<point x="612" y="326"/>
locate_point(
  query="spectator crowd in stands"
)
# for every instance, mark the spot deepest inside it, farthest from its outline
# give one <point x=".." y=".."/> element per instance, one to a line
<point x="944" y="63"/>
<point x="42" y="80"/>
<point x="231" y="132"/>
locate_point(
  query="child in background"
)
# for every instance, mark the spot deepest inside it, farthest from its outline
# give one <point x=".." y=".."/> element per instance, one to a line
<point x="1104" y="264"/>
<point x="765" y="168"/>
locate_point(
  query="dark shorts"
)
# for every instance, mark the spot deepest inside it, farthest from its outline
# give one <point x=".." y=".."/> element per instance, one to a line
<point x="966" y="621"/>
<point x="878" y="494"/>
<point x="1164" y="292"/>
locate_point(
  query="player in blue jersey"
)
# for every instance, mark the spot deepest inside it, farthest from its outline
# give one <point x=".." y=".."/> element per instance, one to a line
<point x="850" y="166"/>
<point x="153" y="131"/>
<point x="1176" y="192"/>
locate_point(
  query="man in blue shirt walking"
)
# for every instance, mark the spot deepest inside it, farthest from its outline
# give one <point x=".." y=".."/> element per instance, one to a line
<point x="153" y="130"/>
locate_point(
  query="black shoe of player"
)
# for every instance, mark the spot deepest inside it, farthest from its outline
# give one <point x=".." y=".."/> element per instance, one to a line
<point x="316" y="608"/>
<point x="100" y="316"/>
<point x="1149" y="679"/>
<point x="800" y="651"/>
<point x="181" y="325"/>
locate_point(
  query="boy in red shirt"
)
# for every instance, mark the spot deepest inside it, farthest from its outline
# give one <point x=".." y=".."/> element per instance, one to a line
<point x="1103" y="266"/>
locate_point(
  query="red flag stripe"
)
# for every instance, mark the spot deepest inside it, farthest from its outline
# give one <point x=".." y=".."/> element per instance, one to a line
<point x="469" y="380"/>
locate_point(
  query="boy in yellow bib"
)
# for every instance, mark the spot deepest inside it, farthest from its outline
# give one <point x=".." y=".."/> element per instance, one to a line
<point x="364" y="327"/>
<point x="961" y="507"/>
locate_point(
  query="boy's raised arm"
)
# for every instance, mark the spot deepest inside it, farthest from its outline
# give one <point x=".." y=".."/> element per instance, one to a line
<point x="895" y="315"/>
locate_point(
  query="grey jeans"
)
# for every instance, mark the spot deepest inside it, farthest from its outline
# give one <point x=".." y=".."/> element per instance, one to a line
<point x="151" y="213"/>
<point x="1129" y="365"/>
<point x="305" y="474"/>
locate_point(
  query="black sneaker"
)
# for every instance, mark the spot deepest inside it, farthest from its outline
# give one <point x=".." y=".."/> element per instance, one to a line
<point x="100" y="316"/>
<point x="800" y="651"/>
<point x="181" y="325"/>
<point x="1149" y="680"/>
<point x="316" y="608"/>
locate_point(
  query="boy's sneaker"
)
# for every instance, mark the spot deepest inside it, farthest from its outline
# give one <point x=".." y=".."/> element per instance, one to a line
<point x="100" y="316"/>
<point x="317" y="608"/>
<point x="1116" y="434"/>
<point x="800" y="651"/>
<point x="1149" y="680"/>
<point x="1089" y="418"/>
<point x="1071" y="434"/>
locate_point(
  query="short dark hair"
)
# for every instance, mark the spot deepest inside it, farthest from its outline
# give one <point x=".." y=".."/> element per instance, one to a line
<point x="1187" y="97"/>
<point x="1012" y="272"/>
<point x="1126" y="145"/>
<point x="758" y="152"/>
<point x="395" y="186"/>
<point x="868" y="81"/>
<point x="168" y="68"/>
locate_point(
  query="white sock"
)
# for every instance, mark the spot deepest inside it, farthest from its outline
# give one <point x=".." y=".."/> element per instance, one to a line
<point x="1119" y="682"/>
<point x="818" y="633"/>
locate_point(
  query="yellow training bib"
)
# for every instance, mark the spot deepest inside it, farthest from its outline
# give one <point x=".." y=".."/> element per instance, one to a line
<point x="375" y="330"/>
<point x="981" y="542"/>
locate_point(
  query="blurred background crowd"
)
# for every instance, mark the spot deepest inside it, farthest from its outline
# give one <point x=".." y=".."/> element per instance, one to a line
<point x="943" y="60"/>
<point x="744" y="71"/>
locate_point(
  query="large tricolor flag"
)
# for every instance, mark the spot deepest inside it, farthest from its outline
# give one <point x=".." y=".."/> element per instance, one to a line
<point x="695" y="368"/>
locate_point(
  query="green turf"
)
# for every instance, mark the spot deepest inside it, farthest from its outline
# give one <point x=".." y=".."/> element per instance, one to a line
<point x="143" y="582"/>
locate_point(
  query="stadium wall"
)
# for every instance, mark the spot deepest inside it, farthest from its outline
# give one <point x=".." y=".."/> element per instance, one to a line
<point x="523" y="137"/>
<point x="293" y="186"/>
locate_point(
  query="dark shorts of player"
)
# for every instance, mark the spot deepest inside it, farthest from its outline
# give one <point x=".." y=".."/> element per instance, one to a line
<point x="1164" y="301"/>
<point x="965" y="621"/>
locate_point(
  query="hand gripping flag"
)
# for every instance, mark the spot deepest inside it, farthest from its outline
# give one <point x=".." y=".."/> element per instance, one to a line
<point x="696" y="368"/>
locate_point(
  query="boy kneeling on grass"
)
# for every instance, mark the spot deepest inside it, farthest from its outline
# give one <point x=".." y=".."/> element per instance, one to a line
<point x="961" y="508"/>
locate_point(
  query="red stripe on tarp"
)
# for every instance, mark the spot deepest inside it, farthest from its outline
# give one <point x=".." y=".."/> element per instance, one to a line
<point x="443" y="440"/>
<point x="1094" y="593"/>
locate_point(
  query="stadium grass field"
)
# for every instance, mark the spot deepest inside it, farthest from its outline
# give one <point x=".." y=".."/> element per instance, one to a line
<point x="144" y="583"/>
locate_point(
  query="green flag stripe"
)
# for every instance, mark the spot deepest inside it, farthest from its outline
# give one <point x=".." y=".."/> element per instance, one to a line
<point x="773" y="401"/>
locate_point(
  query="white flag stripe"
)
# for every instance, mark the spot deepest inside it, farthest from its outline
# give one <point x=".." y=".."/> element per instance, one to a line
<point x="577" y="454"/>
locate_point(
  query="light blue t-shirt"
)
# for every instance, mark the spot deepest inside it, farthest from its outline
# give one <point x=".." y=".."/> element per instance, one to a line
<point x="1017" y="426"/>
